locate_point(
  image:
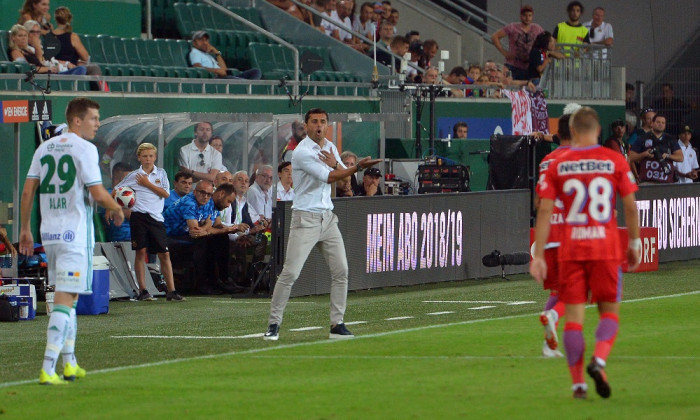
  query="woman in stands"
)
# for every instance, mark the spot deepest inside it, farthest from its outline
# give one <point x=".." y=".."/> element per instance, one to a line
<point x="72" y="49"/>
<point x="20" y="51"/>
<point x="542" y="50"/>
<point x="37" y="10"/>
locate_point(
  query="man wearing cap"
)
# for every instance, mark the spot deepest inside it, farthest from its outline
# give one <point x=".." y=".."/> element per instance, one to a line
<point x="205" y="55"/>
<point x="521" y="35"/>
<point x="687" y="170"/>
<point x="370" y="183"/>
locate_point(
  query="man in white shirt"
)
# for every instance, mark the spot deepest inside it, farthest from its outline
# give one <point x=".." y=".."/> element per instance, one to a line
<point x="687" y="170"/>
<point x="206" y="56"/>
<point x="315" y="166"/>
<point x="599" y="32"/>
<point x="260" y="193"/>
<point x="198" y="158"/>
<point x="285" y="191"/>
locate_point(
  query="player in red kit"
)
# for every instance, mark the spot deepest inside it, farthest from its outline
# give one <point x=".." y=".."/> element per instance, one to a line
<point x="586" y="179"/>
<point x="554" y="308"/>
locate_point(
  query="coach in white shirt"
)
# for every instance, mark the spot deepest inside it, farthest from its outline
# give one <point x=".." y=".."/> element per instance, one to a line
<point x="198" y="158"/>
<point x="260" y="193"/>
<point x="315" y="166"/>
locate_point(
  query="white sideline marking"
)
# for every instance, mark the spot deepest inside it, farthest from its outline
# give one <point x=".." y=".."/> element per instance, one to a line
<point x="305" y="329"/>
<point x="355" y="322"/>
<point x="500" y="302"/>
<point x="524" y="302"/>
<point x="326" y="341"/>
<point x="192" y="337"/>
<point x="477" y="308"/>
<point x="440" y="313"/>
<point x="396" y="318"/>
<point x="266" y="302"/>
<point x="466" y="357"/>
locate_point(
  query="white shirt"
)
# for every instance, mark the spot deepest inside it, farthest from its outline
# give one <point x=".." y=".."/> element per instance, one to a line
<point x="312" y="192"/>
<point x="345" y="35"/>
<point x="283" y="195"/>
<point x="260" y="200"/>
<point x="146" y="200"/>
<point x="599" y="34"/>
<point x="189" y="158"/>
<point x="66" y="165"/>
<point x="690" y="162"/>
<point x="230" y="219"/>
<point x="328" y="26"/>
<point x="367" y="29"/>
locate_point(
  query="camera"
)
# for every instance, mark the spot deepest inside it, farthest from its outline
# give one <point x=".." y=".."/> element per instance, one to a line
<point x="665" y="165"/>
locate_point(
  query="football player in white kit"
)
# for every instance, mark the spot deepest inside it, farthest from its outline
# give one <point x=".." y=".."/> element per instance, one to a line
<point x="66" y="172"/>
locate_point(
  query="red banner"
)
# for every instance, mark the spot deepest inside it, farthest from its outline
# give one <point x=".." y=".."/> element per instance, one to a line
<point x="15" y="111"/>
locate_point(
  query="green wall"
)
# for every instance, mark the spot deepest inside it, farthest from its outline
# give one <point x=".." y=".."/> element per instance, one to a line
<point x="113" y="17"/>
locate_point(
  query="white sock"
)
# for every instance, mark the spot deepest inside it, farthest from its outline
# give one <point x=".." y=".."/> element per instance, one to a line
<point x="55" y="336"/>
<point x="68" y="350"/>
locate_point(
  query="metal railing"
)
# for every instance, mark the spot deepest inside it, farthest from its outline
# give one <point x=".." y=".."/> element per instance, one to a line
<point x="585" y="73"/>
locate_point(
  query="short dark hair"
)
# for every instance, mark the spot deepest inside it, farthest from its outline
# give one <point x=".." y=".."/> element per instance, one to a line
<point x="409" y="34"/>
<point x="227" y="189"/>
<point x="182" y="174"/>
<point x="203" y="122"/>
<point x="430" y="43"/>
<point x="459" y="124"/>
<point x="563" y="130"/>
<point x="629" y="86"/>
<point x="282" y="166"/>
<point x="574" y="4"/>
<point x="78" y="107"/>
<point x="657" y="116"/>
<point x="458" y="71"/>
<point x="121" y="167"/>
<point x="314" y="111"/>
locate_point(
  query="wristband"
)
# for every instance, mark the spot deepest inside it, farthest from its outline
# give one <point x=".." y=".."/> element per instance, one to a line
<point x="336" y="166"/>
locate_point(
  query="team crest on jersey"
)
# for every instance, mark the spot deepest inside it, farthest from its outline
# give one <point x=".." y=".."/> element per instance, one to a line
<point x="68" y="236"/>
<point x="50" y="147"/>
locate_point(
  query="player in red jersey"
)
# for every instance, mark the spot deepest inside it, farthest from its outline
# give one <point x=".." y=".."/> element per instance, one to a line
<point x="554" y="308"/>
<point x="586" y="179"/>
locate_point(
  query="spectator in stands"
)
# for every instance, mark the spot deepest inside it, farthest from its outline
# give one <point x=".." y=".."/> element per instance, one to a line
<point x="599" y="32"/>
<point x="148" y="235"/>
<point x="398" y="46"/>
<point x="344" y="14"/>
<point x="218" y="144"/>
<point x="343" y="187"/>
<point x="193" y="223"/>
<point x="205" y="55"/>
<point x="616" y="142"/>
<point x="349" y="159"/>
<point x="386" y="10"/>
<point x="416" y="50"/>
<point x="394" y="18"/>
<point x="249" y="234"/>
<point x="328" y="26"/>
<point x="521" y="36"/>
<point x="630" y="102"/>
<point x="20" y="52"/>
<point x="198" y="158"/>
<point x="370" y="183"/>
<point x="37" y="10"/>
<point x="686" y="171"/>
<point x="223" y="177"/>
<point x="285" y="191"/>
<point x="491" y="71"/>
<point x="386" y="34"/>
<point x="364" y="24"/>
<point x="412" y="36"/>
<point x="655" y="153"/>
<point x="457" y="76"/>
<point x="431" y="76"/>
<point x="72" y="49"/>
<point x="430" y="49"/>
<point x="474" y="72"/>
<point x="260" y="193"/>
<point x="647" y="117"/>
<point x="542" y="50"/>
<point x="181" y="187"/>
<point x="460" y="130"/>
<point x="298" y="134"/>
<point x="572" y="31"/>
<point x="675" y="108"/>
<point x="291" y="8"/>
<point x="120" y="233"/>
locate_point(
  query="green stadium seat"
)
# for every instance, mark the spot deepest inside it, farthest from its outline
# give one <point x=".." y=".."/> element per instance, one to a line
<point x="109" y="49"/>
<point x="94" y="48"/>
<point x="4" y="45"/>
<point x="183" y="20"/>
<point x="131" y="50"/>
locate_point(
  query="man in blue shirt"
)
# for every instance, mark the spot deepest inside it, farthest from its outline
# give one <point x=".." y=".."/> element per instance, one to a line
<point x="182" y="187"/>
<point x="118" y="233"/>
<point x="205" y="55"/>
<point x="194" y="228"/>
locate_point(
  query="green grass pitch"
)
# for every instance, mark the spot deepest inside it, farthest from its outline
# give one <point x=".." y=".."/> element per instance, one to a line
<point x="466" y="349"/>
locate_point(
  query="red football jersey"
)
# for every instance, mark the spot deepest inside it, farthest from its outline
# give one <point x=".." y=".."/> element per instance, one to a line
<point x="586" y="180"/>
<point x="558" y="211"/>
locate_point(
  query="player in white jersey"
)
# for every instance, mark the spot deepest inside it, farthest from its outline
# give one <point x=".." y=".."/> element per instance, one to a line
<point x="66" y="172"/>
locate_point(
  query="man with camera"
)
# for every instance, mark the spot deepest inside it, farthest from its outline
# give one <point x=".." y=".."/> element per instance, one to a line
<point x="656" y="152"/>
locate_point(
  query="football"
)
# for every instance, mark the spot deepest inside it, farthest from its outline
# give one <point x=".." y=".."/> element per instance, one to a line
<point x="125" y="197"/>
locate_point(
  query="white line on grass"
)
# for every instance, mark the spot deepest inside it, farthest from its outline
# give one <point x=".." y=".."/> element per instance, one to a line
<point x="193" y="337"/>
<point x="355" y="322"/>
<point x="396" y="318"/>
<point x="467" y="357"/>
<point x="480" y="301"/>
<point x="305" y="329"/>
<point x="477" y="308"/>
<point x="266" y="302"/>
<point x="440" y="313"/>
<point x="325" y="341"/>
<point x="524" y="302"/>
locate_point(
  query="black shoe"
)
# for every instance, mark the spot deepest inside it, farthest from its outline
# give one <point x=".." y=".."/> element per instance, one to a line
<point x="273" y="333"/>
<point x="597" y="372"/>
<point x="174" y="295"/>
<point x="144" y="295"/>
<point x="339" y="331"/>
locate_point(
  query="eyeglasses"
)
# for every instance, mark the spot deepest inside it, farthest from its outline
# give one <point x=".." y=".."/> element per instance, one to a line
<point x="201" y="157"/>
<point x="204" y="193"/>
<point x="34" y="32"/>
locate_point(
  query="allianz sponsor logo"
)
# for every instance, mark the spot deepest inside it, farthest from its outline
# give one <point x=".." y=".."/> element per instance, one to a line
<point x="586" y="166"/>
<point x="68" y="236"/>
<point x="45" y="236"/>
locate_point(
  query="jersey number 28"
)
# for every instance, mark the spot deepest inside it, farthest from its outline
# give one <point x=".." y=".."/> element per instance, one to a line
<point x="597" y="196"/>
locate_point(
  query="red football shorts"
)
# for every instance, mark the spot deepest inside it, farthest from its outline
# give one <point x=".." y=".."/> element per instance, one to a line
<point x="602" y="278"/>
<point x="551" y="257"/>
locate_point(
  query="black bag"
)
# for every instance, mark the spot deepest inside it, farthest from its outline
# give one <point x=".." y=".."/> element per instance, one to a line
<point x="9" y="311"/>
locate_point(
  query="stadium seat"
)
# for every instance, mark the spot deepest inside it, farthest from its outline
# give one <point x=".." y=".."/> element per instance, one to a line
<point x="4" y="45"/>
<point x="131" y="50"/>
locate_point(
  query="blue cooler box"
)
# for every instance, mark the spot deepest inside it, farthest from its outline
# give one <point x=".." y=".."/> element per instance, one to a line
<point x="98" y="302"/>
<point x="22" y="294"/>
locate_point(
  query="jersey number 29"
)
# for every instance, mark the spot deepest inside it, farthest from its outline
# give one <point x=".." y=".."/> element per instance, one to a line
<point x="65" y="171"/>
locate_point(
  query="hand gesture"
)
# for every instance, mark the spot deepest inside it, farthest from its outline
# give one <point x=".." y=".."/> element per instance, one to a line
<point x="328" y="158"/>
<point x="367" y="162"/>
<point x="142" y="180"/>
<point x="538" y="269"/>
<point x="116" y="216"/>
